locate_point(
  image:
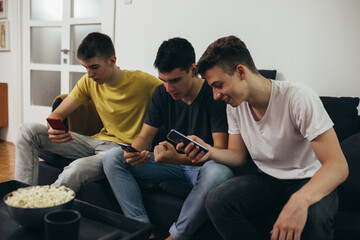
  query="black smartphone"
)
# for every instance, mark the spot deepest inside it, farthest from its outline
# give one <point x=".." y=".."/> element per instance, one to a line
<point x="127" y="147"/>
<point x="177" y="137"/>
<point x="57" y="124"/>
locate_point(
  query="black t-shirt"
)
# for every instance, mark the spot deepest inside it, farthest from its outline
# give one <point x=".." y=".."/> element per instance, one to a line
<point x="202" y="117"/>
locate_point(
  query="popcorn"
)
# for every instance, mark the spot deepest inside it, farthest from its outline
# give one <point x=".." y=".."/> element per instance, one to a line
<point x="40" y="196"/>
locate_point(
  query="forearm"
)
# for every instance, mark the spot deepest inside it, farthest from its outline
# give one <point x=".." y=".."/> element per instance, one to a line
<point x="228" y="157"/>
<point x="66" y="107"/>
<point x="333" y="172"/>
<point x="324" y="181"/>
<point x="141" y="143"/>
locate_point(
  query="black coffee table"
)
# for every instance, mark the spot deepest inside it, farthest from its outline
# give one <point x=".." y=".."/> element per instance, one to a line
<point x="96" y="223"/>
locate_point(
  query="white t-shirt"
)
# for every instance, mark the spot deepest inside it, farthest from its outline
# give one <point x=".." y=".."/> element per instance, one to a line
<point x="279" y="143"/>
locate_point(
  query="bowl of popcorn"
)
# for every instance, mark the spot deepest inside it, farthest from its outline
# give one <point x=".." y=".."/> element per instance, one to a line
<point x="28" y="206"/>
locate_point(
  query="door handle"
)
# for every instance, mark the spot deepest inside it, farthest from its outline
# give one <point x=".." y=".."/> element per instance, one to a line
<point x="66" y="51"/>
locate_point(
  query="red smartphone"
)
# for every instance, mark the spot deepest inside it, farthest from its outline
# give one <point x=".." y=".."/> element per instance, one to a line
<point x="57" y="124"/>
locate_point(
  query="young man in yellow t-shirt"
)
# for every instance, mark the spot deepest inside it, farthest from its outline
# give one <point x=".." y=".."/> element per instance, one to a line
<point x="121" y="98"/>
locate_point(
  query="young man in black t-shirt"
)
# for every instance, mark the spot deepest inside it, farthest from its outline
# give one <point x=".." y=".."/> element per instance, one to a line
<point x="183" y="102"/>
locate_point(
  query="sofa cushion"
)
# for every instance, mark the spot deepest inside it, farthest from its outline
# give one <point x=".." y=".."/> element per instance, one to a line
<point x="343" y="112"/>
<point x="349" y="191"/>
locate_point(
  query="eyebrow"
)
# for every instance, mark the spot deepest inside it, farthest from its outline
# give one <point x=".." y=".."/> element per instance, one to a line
<point x="214" y="83"/>
<point x="92" y="65"/>
<point x="171" y="80"/>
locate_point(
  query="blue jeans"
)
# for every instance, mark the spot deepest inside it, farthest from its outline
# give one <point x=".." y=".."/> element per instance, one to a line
<point x="204" y="178"/>
<point x="86" y="151"/>
<point x="231" y="204"/>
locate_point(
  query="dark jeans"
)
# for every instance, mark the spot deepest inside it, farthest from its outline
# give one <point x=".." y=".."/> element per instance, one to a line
<point x="232" y="203"/>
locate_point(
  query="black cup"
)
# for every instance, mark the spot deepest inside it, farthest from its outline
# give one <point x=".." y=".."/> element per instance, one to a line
<point x="62" y="224"/>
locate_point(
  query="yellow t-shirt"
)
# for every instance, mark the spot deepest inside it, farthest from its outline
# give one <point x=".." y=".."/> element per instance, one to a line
<point x="122" y="107"/>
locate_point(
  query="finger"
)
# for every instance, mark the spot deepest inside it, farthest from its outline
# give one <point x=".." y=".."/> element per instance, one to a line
<point x="56" y="132"/>
<point x="193" y="137"/>
<point x="180" y="147"/>
<point x="194" y="152"/>
<point x="274" y="234"/>
<point x="289" y="235"/>
<point x="199" y="159"/>
<point x="142" y="162"/>
<point x="62" y="140"/>
<point x="167" y="145"/>
<point x="189" y="149"/>
<point x="297" y="235"/>
<point x="282" y="235"/>
<point x="130" y="154"/>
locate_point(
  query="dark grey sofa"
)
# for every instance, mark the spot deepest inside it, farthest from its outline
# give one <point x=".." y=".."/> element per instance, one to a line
<point x="163" y="200"/>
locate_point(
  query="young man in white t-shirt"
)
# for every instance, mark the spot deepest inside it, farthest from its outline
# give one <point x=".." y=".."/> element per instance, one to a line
<point x="290" y="138"/>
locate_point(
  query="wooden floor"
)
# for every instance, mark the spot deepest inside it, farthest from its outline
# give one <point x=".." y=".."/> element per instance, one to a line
<point x="7" y="161"/>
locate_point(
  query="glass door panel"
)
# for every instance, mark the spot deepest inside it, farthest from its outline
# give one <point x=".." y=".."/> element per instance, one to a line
<point x="74" y="78"/>
<point x="45" y="86"/>
<point x="77" y="34"/>
<point x="45" y="45"/>
<point x="85" y="8"/>
<point x="46" y="10"/>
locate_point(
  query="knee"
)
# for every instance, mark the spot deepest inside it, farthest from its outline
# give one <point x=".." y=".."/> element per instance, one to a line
<point x="28" y="130"/>
<point x="215" y="199"/>
<point x="215" y="172"/>
<point x="113" y="157"/>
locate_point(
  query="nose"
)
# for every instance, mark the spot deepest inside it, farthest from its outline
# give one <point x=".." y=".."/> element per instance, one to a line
<point x="90" y="73"/>
<point x="169" y="87"/>
<point x="216" y="94"/>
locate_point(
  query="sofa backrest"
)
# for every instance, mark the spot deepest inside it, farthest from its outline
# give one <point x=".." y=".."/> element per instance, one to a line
<point x="344" y="113"/>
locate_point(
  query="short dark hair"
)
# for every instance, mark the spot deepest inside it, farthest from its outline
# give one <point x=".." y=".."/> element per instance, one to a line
<point x="175" y="53"/>
<point x="96" y="44"/>
<point x="227" y="53"/>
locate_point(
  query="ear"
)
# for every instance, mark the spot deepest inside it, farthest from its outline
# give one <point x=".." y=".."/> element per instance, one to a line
<point x="193" y="70"/>
<point x="240" y="71"/>
<point x="112" y="61"/>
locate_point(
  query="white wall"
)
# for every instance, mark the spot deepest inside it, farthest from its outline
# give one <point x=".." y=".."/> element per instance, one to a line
<point x="314" y="41"/>
<point x="10" y="71"/>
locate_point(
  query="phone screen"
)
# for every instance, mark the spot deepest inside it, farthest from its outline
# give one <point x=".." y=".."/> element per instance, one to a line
<point x="56" y="124"/>
<point x="177" y="137"/>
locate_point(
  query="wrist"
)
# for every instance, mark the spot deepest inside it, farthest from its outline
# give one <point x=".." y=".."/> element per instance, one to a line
<point x="303" y="199"/>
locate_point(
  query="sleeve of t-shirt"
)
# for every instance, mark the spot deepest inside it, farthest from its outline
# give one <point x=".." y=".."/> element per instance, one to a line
<point x="80" y="92"/>
<point x="153" y="115"/>
<point x="218" y="116"/>
<point x="309" y="113"/>
<point x="231" y="118"/>
<point x="152" y="82"/>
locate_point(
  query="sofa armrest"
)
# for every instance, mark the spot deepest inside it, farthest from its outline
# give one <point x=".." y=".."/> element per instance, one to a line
<point x="343" y="112"/>
<point x="349" y="191"/>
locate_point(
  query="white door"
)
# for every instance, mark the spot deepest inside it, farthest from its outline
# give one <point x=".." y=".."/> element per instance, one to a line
<point x="52" y="31"/>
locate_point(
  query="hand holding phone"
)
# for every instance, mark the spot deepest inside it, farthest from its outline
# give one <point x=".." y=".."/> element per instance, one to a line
<point x="177" y="138"/>
<point x="56" y="124"/>
<point x="127" y="147"/>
